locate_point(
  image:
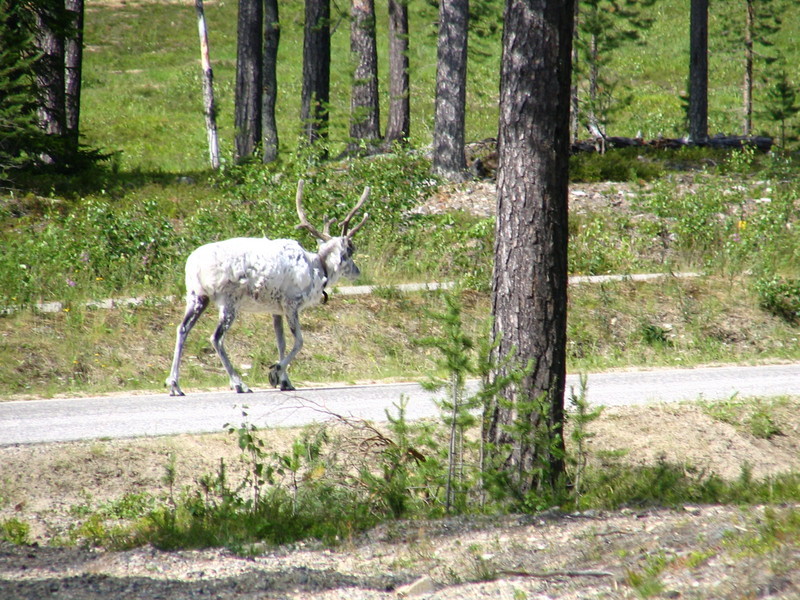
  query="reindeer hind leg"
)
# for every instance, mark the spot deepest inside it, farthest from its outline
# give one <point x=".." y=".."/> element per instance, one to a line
<point x="227" y="314"/>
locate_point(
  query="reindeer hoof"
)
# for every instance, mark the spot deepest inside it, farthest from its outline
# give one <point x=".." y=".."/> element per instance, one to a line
<point x="275" y="375"/>
<point x="242" y="389"/>
<point x="286" y="386"/>
<point x="174" y="389"/>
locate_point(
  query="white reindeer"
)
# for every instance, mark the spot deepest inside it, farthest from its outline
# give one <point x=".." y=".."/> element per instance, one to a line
<point x="263" y="275"/>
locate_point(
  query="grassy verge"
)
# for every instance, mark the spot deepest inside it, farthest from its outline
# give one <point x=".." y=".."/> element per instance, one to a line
<point x="611" y="325"/>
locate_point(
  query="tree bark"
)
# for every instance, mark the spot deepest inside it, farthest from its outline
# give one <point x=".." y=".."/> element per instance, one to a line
<point x="451" y="91"/>
<point x="365" y="123"/>
<point x="398" y="126"/>
<point x="698" y="71"/>
<point x="209" y="108"/>
<point x="50" y="78"/>
<point x="247" y="110"/>
<point x="529" y="288"/>
<point x="316" y="70"/>
<point x="574" y="117"/>
<point x="272" y="36"/>
<point x="73" y="64"/>
<point x="747" y="85"/>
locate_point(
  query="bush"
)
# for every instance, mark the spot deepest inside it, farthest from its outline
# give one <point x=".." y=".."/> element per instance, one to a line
<point x="629" y="164"/>
<point x="780" y="297"/>
<point x="15" y="531"/>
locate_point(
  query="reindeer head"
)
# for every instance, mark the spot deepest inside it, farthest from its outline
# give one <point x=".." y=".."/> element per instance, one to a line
<point x="336" y="252"/>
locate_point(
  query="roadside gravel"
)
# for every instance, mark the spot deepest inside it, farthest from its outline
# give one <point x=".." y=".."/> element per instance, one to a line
<point x="692" y="552"/>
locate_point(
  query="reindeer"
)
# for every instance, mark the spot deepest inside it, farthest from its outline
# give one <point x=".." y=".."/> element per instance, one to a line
<point x="263" y="275"/>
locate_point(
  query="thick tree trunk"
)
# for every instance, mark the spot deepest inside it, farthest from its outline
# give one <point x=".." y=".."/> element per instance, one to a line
<point x="73" y="64"/>
<point x="529" y="287"/>
<point x="316" y="70"/>
<point x="398" y="126"/>
<point x="272" y="36"/>
<point x="209" y="108"/>
<point x="451" y="91"/>
<point x="50" y="80"/>
<point x="365" y="123"/>
<point x="247" y="111"/>
<point x="698" y="71"/>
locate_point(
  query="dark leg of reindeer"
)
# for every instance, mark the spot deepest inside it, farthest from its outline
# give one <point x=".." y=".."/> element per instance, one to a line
<point x="226" y="316"/>
<point x="277" y="321"/>
<point x="195" y="306"/>
<point x="277" y="372"/>
<point x="274" y="375"/>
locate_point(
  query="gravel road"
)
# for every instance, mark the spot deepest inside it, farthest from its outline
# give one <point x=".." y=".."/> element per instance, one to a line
<point x="65" y="419"/>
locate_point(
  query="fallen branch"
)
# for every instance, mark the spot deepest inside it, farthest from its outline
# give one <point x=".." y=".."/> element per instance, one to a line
<point x="554" y="574"/>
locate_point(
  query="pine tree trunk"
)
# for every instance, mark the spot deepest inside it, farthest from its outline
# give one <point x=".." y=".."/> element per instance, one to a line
<point x="272" y="36"/>
<point x="747" y="85"/>
<point x="365" y="125"/>
<point x="50" y="82"/>
<point x="698" y="71"/>
<point x="529" y="287"/>
<point x="316" y="70"/>
<point x="398" y="126"/>
<point x="247" y="110"/>
<point x="73" y="64"/>
<point x="451" y="91"/>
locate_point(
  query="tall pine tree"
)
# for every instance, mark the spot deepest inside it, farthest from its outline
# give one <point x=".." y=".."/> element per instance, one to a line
<point x="21" y="139"/>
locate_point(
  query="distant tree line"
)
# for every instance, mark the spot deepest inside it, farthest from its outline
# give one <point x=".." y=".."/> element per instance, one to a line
<point x="41" y="55"/>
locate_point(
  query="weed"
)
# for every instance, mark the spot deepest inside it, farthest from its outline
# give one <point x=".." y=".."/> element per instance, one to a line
<point x="757" y="416"/>
<point x="777" y="527"/>
<point x="655" y="335"/>
<point x="619" y="165"/>
<point x="15" y="531"/>
<point x="484" y="569"/>
<point x="781" y="297"/>
<point x="647" y="583"/>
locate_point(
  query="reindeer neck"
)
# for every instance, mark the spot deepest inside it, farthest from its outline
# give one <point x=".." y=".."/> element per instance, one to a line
<point x="330" y="271"/>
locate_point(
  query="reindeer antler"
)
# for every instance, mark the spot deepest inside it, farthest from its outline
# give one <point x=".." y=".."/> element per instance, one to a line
<point x="304" y="224"/>
<point x="346" y="223"/>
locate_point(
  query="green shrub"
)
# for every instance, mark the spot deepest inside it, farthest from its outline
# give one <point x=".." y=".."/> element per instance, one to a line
<point x="780" y="297"/>
<point x="15" y="531"/>
<point x="628" y="164"/>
